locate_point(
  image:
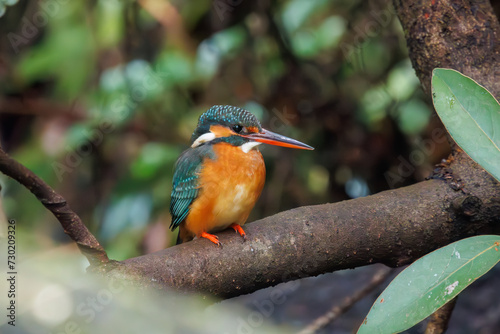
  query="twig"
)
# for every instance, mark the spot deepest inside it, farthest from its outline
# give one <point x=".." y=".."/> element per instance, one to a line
<point x="71" y="223"/>
<point x="440" y="319"/>
<point x="347" y="303"/>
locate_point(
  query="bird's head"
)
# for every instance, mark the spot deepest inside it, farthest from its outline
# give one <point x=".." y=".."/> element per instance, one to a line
<point x="237" y="127"/>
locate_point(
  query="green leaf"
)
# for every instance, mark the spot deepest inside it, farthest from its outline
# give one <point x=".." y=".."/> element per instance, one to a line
<point x="471" y="115"/>
<point x="430" y="282"/>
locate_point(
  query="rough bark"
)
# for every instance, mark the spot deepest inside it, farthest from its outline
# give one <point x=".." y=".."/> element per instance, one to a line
<point x="459" y="34"/>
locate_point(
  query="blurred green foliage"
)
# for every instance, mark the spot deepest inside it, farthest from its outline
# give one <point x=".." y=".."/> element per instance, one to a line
<point x="58" y="297"/>
<point x="99" y="99"/>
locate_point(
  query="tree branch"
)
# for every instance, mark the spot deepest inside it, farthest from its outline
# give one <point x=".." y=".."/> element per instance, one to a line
<point x="393" y="227"/>
<point x="55" y="203"/>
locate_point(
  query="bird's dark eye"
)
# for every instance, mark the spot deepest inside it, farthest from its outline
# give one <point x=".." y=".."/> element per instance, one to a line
<point x="237" y="128"/>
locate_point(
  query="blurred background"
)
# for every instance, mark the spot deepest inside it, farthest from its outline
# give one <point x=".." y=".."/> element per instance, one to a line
<point x="100" y="97"/>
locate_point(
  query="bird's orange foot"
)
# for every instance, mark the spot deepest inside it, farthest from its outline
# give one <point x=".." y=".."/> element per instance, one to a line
<point x="239" y="229"/>
<point x="212" y="238"/>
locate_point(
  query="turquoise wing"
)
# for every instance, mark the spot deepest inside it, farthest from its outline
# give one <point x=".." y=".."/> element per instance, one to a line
<point x="185" y="185"/>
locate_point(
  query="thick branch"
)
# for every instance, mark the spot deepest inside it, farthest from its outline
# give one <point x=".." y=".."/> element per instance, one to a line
<point x="459" y="34"/>
<point x="55" y="203"/>
<point x="393" y="227"/>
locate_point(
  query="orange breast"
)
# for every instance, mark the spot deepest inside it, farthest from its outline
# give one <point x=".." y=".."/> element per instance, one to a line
<point x="229" y="187"/>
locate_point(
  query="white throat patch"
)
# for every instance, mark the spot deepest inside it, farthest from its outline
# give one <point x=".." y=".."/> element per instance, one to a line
<point x="248" y="146"/>
<point x="206" y="137"/>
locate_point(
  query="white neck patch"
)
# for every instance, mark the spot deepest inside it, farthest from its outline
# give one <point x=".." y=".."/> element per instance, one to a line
<point x="206" y="137"/>
<point x="248" y="146"/>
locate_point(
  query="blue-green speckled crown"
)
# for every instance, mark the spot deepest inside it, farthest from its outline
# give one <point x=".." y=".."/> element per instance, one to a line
<point x="226" y="116"/>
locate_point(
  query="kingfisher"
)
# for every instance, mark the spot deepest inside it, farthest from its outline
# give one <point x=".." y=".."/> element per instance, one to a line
<point x="220" y="177"/>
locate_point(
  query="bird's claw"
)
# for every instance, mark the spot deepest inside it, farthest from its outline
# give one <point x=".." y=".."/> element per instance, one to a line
<point x="238" y="229"/>
<point x="213" y="238"/>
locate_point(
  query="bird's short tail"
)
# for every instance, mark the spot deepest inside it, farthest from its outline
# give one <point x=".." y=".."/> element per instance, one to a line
<point x="184" y="235"/>
<point x="179" y="240"/>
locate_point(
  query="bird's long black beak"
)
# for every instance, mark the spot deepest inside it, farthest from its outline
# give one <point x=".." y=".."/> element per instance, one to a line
<point x="268" y="137"/>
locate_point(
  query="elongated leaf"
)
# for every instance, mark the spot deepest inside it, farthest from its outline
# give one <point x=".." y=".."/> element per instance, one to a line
<point x="430" y="282"/>
<point x="471" y="115"/>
